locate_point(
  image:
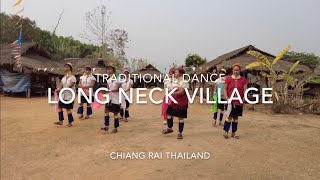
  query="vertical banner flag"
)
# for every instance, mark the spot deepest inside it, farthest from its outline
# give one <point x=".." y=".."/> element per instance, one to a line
<point x="16" y="45"/>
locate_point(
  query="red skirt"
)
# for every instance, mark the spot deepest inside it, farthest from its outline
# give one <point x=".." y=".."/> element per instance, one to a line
<point x="180" y="109"/>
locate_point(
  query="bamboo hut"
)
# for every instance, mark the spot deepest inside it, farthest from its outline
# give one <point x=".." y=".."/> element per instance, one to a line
<point x="37" y="73"/>
<point x="255" y="79"/>
<point x="313" y="87"/>
<point x="98" y="65"/>
<point x="146" y="71"/>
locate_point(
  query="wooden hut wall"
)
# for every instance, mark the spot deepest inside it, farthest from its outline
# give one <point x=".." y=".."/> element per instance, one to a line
<point x="41" y="82"/>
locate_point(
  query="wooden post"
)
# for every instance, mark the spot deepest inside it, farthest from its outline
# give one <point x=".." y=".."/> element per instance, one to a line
<point x="262" y="84"/>
<point x="57" y="81"/>
<point x="28" y="93"/>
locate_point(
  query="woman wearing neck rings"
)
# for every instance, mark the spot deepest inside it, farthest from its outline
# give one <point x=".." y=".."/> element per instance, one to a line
<point x="239" y="83"/>
<point x="178" y="110"/>
<point x="87" y="81"/>
<point x="68" y="81"/>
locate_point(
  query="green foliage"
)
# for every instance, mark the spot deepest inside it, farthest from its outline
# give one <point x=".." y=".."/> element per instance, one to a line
<point x="281" y="54"/>
<point x="10" y="31"/>
<point x="272" y="76"/>
<point x="58" y="46"/>
<point x="67" y="47"/>
<point x="264" y="74"/>
<point x="308" y="59"/>
<point x="264" y="60"/>
<point x="194" y="60"/>
<point x="119" y="38"/>
<point x="315" y="80"/>
<point x="256" y="64"/>
<point x="112" y="42"/>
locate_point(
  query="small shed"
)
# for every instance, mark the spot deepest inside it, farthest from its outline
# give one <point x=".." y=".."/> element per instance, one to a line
<point x="37" y="73"/>
<point x="148" y="74"/>
<point x="97" y="64"/>
<point x="255" y="79"/>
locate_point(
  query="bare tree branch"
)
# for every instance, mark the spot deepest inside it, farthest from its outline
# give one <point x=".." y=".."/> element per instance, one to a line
<point x="98" y="31"/>
<point x="55" y="29"/>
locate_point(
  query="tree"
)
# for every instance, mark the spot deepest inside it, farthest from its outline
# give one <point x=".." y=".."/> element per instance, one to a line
<point x="272" y="76"/>
<point x="308" y="59"/>
<point x="119" y="39"/>
<point x="194" y="60"/>
<point x="139" y="63"/>
<point x="66" y="47"/>
<point x="56" y="27"/>
<point x="58" y="46"/>
<point x="289" y="81"/>
<point x="10" y="28"/>
<point x="97" y="28"/>
<point x="288" y="75"/>
<point x="112" y="42"/>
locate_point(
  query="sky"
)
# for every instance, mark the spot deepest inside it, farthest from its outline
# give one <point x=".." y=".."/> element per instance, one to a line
<point x="166" y="31"/>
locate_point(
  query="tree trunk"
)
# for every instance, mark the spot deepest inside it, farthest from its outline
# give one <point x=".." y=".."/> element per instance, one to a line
<point x="285" y="93"/>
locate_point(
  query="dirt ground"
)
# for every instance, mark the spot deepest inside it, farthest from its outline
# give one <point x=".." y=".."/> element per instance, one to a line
<point x="270" y="146"/>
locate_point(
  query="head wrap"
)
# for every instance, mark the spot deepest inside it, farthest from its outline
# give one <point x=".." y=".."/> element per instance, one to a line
<point x="171" y="70"/>
<point x="126" y="69"/>
<point x="70" y="65"/>
<point x="223" y="70"/>
<point x="237" y="64"/>
<point x="88" y="68"/>
<point x="111" y="64"/>
<point x="181" y="70"/>
<point x="112" y="67"/>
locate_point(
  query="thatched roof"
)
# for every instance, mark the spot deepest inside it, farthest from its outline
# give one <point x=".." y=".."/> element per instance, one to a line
<point x="149" y="69"/>
<point x="79" y="63"/>
<point x="317" y="71"/>
<point x="241" y="56"/>
<point x="33" y="57"/>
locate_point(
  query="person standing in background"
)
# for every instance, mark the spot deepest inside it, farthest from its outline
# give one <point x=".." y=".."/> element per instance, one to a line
<point x="167" y="84"/>
<point x="219" y="91"/>
<point x="126" y="86"/>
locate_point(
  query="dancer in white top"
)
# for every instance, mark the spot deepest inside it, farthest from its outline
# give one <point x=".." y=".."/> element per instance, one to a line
<point x="87" y="81"/>
<point x="68" y="81"/>
<point x="113" y="84"/>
